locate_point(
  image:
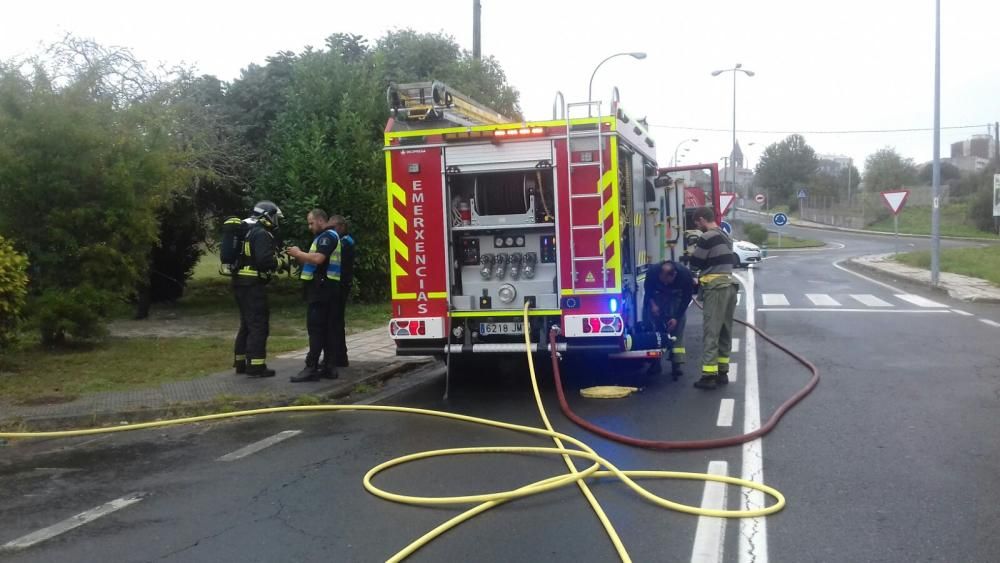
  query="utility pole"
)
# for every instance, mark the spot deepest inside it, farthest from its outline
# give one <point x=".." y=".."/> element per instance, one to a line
<point x="936" y="180"/>
<point x="850" y="163"/>
<point x="477" y="43"/>
<point x="996" y="139"/>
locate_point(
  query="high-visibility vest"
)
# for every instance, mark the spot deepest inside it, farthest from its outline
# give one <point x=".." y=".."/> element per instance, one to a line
<point x="333" y="271"/>
<point x="309" y="270"/>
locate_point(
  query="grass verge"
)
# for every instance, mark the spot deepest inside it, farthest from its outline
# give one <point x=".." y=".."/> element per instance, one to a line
<point x="981" y="263"/>
<point x="34" y="374"/>
<point x="917" y="221"/>
<point x="792" y="242"/>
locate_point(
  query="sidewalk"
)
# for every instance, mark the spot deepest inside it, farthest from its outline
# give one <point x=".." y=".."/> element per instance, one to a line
<point x="961" y="287"/>
<point x="372" y="356"/>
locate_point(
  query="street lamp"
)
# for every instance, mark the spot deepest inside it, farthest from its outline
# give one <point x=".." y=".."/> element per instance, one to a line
<point x="590" y="87"/>
<point x="679" y="146"/>
<point x="735" y="70"/>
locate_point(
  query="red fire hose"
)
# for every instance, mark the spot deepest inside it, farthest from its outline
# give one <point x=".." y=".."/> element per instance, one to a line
<point x="689" y="444"/>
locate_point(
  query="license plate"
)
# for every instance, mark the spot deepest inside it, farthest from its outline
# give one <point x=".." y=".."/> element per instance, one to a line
<point x="501" y="328"/>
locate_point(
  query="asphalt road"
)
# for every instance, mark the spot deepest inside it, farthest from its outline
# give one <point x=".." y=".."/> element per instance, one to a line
<point x="893" y="458"/>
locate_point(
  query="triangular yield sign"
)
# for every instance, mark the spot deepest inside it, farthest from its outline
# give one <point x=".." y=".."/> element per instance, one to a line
<point x="895" y="200"/>
<point x="726" y="200"/>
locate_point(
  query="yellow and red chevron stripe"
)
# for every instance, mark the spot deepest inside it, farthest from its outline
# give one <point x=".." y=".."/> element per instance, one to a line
<point x="398" y="249"/>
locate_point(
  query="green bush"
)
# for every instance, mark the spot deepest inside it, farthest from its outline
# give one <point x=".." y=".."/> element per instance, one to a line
<point x="78" y="312"/>
<point x="981" y="210"/>
<point x="13" y="288"/>
<point x="755" y="233"/>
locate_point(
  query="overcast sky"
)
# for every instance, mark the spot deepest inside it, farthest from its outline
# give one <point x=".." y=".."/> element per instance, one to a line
<point x="821" y="66"/>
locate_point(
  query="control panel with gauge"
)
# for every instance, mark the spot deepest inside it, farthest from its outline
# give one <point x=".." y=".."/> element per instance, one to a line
<point x="500" y="268"/>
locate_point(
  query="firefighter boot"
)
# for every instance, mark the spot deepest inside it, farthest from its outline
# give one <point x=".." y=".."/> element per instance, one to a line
<point x="676" y="370"/>
<point x="723" y="376"/>
<point x="707" y="382"/>
<point x="259" y="370"/>
<point x="308" y="373"/>
<point x="241" y="366"/>
<point x="328" y="372"/>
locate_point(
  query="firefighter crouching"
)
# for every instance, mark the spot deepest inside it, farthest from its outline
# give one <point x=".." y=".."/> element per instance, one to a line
<point x="667" y="293"/>
<point x="321" y="274"/>
<point x="713" y="259"/>
<point x="257" y="262"/>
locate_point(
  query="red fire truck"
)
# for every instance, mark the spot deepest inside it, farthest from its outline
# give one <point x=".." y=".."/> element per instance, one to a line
<point x="565" y="215"/>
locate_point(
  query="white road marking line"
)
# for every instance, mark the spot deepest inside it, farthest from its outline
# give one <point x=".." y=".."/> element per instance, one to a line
<point x="864" y="277"/>
<point x="736" y="345"/>
<point x="919" y="301"/>
<point x="870" y="300"/>
<point x="961" y="312"/>
<point x="710" y="535"/>
<point x="831" y="310"/>
<point x="258" y="446"/>
<point x="822" y="300"/>
<point x="989" y="322"/>
<point x="774" y="299"/>
<point x="726" y="408"/>
<point x="70" y="523"/>
<point x="753" y="531"/>
<point x="733" y="372"/>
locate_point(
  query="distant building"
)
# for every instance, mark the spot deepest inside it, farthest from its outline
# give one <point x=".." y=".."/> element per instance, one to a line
<point x="973" y="154"/>
<point x="832" y="164"/>
<point x="744" y="176"/>
<point x="981" y="146"/>
<point x="968" y="163"/>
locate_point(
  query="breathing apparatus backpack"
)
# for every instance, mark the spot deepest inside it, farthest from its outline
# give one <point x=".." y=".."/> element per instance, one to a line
<point x="234" y="232"/>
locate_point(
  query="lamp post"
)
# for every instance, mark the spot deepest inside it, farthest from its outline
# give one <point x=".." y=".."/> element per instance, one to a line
<point x="936" y="166"/>
<point x="590" y="87"/>
<point x="735" y="70"/>
<point x="674" y="163"/>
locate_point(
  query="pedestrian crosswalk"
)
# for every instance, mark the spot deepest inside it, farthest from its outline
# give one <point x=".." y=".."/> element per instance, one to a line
<point x="849" y="301"/>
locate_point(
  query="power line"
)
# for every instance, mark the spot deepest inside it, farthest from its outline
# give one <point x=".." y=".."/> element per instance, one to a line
<point x="843" y="132"/>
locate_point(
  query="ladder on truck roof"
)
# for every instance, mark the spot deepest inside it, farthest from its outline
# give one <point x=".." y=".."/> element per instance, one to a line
<point x="435" y="101"/>
<point x="586" y="194"/>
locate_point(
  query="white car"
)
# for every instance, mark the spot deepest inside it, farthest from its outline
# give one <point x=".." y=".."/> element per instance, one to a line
<point x="746" y="253"/>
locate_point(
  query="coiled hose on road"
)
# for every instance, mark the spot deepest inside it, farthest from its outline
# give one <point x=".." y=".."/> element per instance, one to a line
<point x="690" y="444"/>
<point x="599" y="466"/>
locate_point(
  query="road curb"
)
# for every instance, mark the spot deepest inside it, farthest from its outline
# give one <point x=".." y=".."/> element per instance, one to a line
<point x="857" y="264"/>
<point x="114" y="418"/>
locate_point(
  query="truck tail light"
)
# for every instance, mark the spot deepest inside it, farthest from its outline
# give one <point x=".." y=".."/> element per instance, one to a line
<point x="602" y="325"/>
<point x="428" y="327"/>
<point x="408" y="328"/>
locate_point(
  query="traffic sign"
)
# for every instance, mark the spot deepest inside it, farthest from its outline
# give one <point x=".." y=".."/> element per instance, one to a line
<point x="802" y="194"/>
<point x="726" y="227"/>
<point x="895" y="199"/>
<point x="759" y="198"/>
<point x="726" y="200"/>
<point x="780" y="219"/>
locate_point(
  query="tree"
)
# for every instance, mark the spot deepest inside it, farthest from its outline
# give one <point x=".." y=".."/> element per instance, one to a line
<point x="408" y="56"/>
<point x="13" y="290"/>
<point x="980" y="212"/>
<point x="785" y="167"/>
<point x="81" y="173"/>
<point x="887" y="170"/>
<point x="835" y="186"/>
<point x="948" y="172"/>
<point x="324" y="149"/>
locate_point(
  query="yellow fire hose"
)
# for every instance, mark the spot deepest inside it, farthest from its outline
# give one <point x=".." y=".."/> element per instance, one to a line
<point x="599" y="466"/>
